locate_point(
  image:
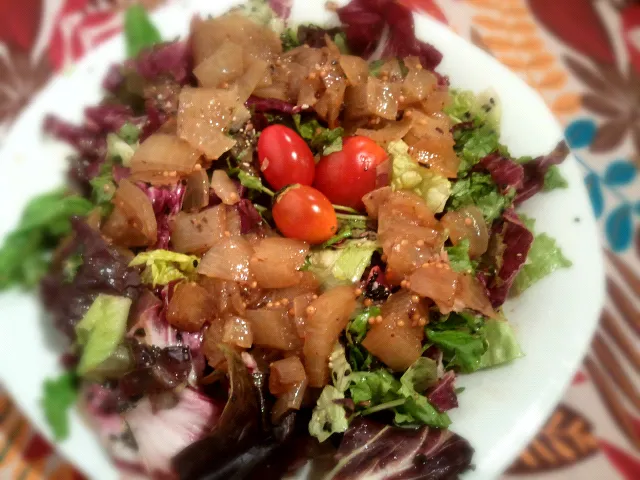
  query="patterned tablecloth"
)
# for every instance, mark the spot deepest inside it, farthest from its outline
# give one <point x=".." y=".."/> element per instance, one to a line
<point x="583" y="56"/>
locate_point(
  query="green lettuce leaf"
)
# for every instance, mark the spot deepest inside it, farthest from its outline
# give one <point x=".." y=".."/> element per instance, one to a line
<point x="502" y="345"/>
<point x="139" y="30"/>
<point x="101" y="330"/>
<point x="289" y="39"/>
<point x="462" y="349"/>
<point x="118" y="148"/>
<point x="25" y="255"/>
<point x="420" y="376"/>
<point x="407" y="174"/>
<point x="459" y="257"/>
<point x="164" y="266"/>
<point x="480" y="190"/>
<point x="466" y="106"/>
<point x="545" y="257"/>
<point x="342" y="265"/>
<point x="321" y="139"/>
<point x="261" y="13"/>
<point x="554" y="179"/>
<point x="373" y="388"/>
<point x="59" y="395"/>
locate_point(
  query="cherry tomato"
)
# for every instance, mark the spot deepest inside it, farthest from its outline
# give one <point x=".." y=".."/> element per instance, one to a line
<point x="284" y="157"/>
<point x="346" y="176"/>
<point x="304" y="213"/>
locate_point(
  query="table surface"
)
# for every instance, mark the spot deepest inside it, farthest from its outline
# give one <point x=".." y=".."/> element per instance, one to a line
<point x="583" y="56"/>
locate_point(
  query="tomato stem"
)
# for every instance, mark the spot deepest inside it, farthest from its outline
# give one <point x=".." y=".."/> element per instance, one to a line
<point x="344" y="209"/>
<point x="345" y="216"/>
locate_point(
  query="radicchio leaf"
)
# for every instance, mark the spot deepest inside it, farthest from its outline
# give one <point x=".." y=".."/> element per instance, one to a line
<point x="103" y="270"/>
<point x="536" y="169"/>
<point x="166" y="202"/>
<point x="373" y="450"/>
<point x="516" y="240"/>
<point x="443" y="395"/>
<point x="258" y="104"/>
<point x="504" y="171"/>
<point x="383" y="29"/>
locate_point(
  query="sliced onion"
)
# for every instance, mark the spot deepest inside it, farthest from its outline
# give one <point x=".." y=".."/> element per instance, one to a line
<point x="190" y="307"/>
<point x="227" y="296"/>
<point x="284" y="373"/>
<point x="228" y="259"/>
<point x="468" y="223"/>
<point x="329" y="315"/>
<point x="224" y="187"/>
<point x="290" y="400"/>
<point x="374" y="199"/>
<point x="196" y="194"/>
<point x="272" y="327"/>
<point x="224" y="66"/>
<point x="406" y="207"/>
<point x="382" y="98"/>
<point x="234" y="223"/>
<point x="397" y="340"/>
<point x="163" y="156"/>
<point x="237" y="331"/>
<point x="276" y="261"/>
<point x="198" y="232"/>
<point x="355" y="68"/>
<point x="118" y="229"/>
<point x="436" y="100"/>
<point x="251" y="78"/>
<point x="391" y="131"/>
<point x="418" y="84"/>
<point x="203" y="116"/>
<point x="471" y="294"/>
<point x="136" y="207"/>
<point x="210" y="340"/>
<point x="438" y="282"/>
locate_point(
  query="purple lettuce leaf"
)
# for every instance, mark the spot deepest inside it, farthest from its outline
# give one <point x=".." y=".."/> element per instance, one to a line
<point x="536" y="169"/>
<point x="370" y="449"/>
<point x="166" y="202"/>
<point x="249" y="216"/>
<point x="382" y="29"/>
<point x="504" y="171"/>
<point x="171" y="59"/>
<point x="443" y="395"/>
<point x="103" y="269"/>
<point x="282" y="8"/>
<point x="516" y="241"/>
<point x="261" y="105"/>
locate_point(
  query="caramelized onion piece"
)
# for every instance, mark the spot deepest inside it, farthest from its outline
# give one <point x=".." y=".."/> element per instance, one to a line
<point x="397" y="340"/>
<point x="224" y="66"/>
<point x="163" y="156"/>
<point x="327" y="317"/>
<point x="198" y="232"/>
<point x="374" y="199"/>
<point x="224" y="187"/>
<point x="228" y="259"/>
<point x="471" y="294"/>
<point x="137" y="209"/>
<point x="196" y="194"/>
<point x="118" y="228"/>
<point x="391" y="131"/>
<point x="190" y="307"/>
<point x="355" y="68"/>
<point x="290" y="400"/>
<point x="468" y="222"/>
<point x="237" y="331"/>
<point x="438" y="282"/>
<point x="203" y="117"/>
<point x="210" y="340"/>
<point x="284" y="373"/>
<point x="272" y="327"/>
<point x="276" y="261"/>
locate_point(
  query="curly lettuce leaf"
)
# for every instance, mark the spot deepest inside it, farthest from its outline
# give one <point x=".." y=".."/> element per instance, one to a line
<point x="462" y="349"/>
<point x="101" y="330"/>
<point x="502" y="345"/>
<point x="328" y="416"/>
<point x="25" y="255"/>
<point x="407" y="174"/>
<point x="342" y="265"/>
<point x="459" y="257"/>
<point x="164" y="266"/>
<point x="554" y="179"/>
<point x="545" y="257"/>
<point x="480" y="190"/>
<point x="321" y="139"/>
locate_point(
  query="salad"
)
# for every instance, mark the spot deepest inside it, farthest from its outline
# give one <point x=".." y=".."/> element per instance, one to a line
<point x="281" y="243"/>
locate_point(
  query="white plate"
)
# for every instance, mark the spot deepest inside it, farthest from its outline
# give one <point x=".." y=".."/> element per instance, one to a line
<point x="500" y="410"/>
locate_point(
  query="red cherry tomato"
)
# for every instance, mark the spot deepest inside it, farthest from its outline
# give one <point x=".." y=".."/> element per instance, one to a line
<point x="346" y="176"/>
<point x="304" y="213"/>
<point x="284" y="157"/>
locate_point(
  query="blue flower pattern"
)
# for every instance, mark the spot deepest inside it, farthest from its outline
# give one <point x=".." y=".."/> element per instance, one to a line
<point x="618" y="174"/>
